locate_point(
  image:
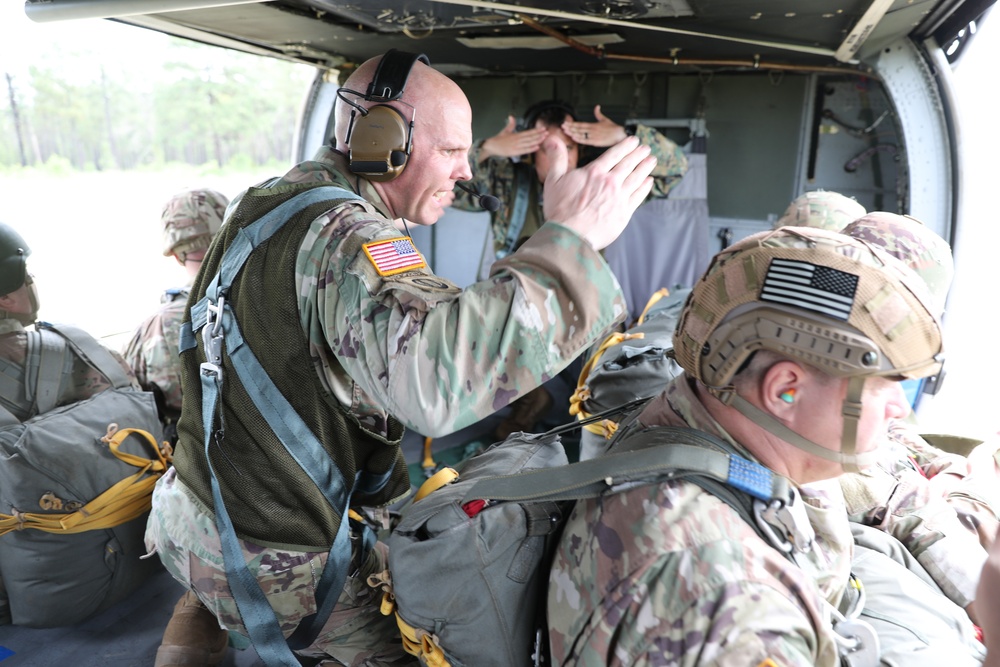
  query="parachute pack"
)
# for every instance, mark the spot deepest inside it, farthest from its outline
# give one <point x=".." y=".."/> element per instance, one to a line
<point x="628" y="366"/>
<point x="469" y="558"/>
<point x="75" y="488"/>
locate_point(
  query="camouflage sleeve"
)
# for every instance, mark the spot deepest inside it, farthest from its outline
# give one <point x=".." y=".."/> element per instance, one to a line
<point x="152" y="352"/>
<point x="905" y="505"/>
<point x="494" y="176"/>
<point x="440" y="358"/>
<point x="133" y="355"/>
<point x="671" y="162"/>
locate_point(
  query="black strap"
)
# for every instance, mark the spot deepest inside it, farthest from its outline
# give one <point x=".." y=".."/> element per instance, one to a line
<point x="390" y="77"/>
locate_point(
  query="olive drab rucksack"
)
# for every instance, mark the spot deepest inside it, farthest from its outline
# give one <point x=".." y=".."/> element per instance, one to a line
<point x="75" y="487"/>
<point x="469" y="558"/>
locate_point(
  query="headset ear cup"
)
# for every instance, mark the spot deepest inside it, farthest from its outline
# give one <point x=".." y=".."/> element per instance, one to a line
<point x="379" y="144"/>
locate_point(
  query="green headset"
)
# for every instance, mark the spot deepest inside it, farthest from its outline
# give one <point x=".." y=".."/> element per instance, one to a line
<point x="379" y="138"/>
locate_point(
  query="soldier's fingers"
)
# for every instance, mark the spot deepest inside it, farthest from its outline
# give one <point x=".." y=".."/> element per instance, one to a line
<point x="639" y="182"/>
<point x="633" y="164"/>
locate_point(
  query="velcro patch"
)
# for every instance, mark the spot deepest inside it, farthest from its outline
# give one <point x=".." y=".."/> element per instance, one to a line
<point x="392" y="256"/>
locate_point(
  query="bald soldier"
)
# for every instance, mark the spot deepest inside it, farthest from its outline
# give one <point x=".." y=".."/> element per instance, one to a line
<point x="351" y="339"/>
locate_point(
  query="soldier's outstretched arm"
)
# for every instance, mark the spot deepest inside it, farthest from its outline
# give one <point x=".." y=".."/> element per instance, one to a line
<point x="598" y="200"/>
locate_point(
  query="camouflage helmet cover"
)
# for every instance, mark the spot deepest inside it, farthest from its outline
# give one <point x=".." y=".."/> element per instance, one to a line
<point x="13" y="259"/>
<point x="821" y="209"/>
<point x="913" y="243"/>
<point x="190" y="220"/>
<point x="821" y="297"/>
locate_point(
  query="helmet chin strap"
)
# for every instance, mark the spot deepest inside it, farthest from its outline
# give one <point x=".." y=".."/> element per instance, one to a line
<point x="851" y="411"/>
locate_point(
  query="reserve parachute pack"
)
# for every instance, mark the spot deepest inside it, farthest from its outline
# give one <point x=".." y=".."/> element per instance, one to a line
<point x="628" y="366"/>
<point x="75" y="487"/>
<point x="469" y="559"/>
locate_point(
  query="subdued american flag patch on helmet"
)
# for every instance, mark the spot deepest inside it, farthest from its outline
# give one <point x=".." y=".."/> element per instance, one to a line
<point x="393" y="256"/>
<point x="811" y="287"/>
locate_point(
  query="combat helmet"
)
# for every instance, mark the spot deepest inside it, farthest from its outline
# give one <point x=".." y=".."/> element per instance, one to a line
<point x="913" y="243"/>
<point x="823" y="298"/>
<point x="13" y="259"/>
<point x="821" y="209"/>
<point x="190" y="220"/>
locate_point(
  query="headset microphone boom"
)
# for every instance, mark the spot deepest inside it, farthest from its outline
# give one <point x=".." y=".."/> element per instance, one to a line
<point x="488" y="202"/>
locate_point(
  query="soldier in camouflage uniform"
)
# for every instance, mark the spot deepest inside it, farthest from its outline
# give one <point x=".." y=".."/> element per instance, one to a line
<point x="365" y="347"/>
<point x="941" y="506"/>
<point x="190" y="221"/>
<point x="495" y="172"/>
<point x="670" y="574"/>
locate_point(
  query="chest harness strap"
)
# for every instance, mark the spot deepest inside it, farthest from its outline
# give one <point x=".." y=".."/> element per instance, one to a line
<point x="214" y="317"/>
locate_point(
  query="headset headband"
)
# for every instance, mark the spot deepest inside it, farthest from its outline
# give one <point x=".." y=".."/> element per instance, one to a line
<point x="390" y="77"/>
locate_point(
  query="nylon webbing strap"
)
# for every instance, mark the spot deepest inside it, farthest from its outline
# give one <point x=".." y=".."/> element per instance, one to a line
<point x="11" y="380"/>
<point x="519" y="210"/>
<point x="95" y="354"/>
<point x="648" y="461"/>
<point x="249" y="238"/>
<point x="258" y="615"/>
<point x="49" y="374"/>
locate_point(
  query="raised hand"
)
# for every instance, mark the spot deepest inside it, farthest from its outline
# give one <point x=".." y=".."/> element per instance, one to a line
<point x="598" y="200"/>
<point x="509" y="143"/>
<point x="605" y="132"/>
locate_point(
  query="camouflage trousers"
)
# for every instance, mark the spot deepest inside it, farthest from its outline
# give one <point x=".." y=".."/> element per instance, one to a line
<point x="183" y="533"/>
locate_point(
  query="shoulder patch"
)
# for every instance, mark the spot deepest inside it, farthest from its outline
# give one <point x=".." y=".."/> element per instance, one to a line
<point x="768" y="663"/>
<point x="392" y="256"/>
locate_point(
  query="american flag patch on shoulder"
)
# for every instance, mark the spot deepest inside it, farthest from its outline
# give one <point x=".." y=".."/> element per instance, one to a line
<point x="811" y="287"/>
<point x="393" y="256"/>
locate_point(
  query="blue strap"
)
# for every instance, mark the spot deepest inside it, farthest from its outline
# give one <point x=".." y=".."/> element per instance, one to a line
<point x="249" y="238"/>
<point x="258" y="616"/>
<point x="519" y="210"/>
<point x="257" y="613"/>
<point x="750" y="477"/>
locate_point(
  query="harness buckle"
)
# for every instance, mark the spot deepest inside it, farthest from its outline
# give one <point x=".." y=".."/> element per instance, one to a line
<point x="785" y="523"/>
<point x="212" y="339"/>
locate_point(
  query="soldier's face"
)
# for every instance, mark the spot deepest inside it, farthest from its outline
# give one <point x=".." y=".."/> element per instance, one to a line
<point x="440" y="156"/>
<point x="882" y="402"/>
<point x="543" y="160"/>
